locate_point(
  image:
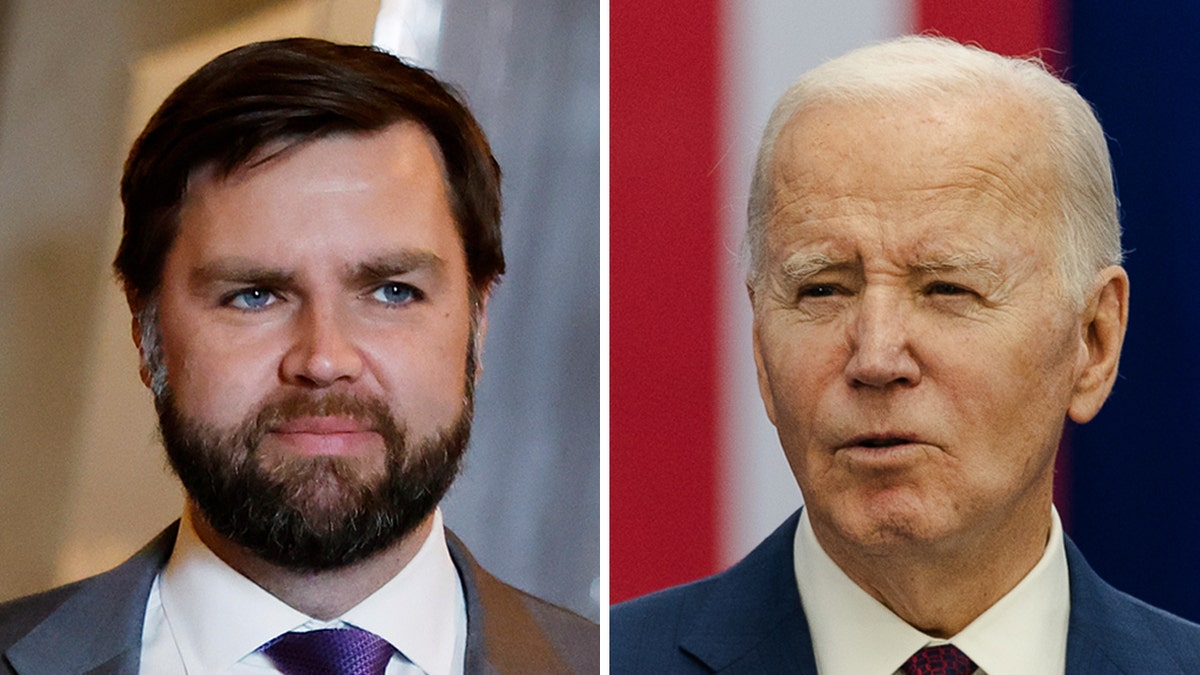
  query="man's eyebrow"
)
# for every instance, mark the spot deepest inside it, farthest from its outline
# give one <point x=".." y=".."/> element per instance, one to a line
<point x="250" y="273"/>
<point x="960" y="262"/>
<point x="802" y="265"/>
<point x="240" y="271"/>
<point x="395" y="264"/>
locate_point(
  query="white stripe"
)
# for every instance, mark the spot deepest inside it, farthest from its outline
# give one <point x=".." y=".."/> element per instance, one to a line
<point x="768" y="44"/>
<point x="410" y="29"/>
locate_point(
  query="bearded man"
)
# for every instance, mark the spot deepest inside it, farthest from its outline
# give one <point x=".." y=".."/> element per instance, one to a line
<point x="311" y="235"/>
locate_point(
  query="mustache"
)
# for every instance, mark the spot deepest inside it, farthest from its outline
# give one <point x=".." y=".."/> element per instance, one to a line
<point x="339" y="404"/>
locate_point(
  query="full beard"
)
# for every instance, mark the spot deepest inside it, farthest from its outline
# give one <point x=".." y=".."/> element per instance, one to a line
<point x="311" y="513"/>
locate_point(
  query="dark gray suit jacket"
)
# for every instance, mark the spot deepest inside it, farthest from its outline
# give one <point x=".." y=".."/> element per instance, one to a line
<point x="95" y="625"/>
<point x="749" y="619"/>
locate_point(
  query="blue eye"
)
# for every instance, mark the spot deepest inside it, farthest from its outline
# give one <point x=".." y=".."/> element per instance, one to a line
<point x="395" y="293"/>
<point x="251" y="298"/>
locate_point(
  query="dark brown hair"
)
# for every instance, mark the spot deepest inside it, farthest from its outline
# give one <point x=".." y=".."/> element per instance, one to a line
<point x="297" y="90"/>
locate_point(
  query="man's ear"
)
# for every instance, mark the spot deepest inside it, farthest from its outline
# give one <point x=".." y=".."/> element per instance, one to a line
<point x="481" y="325"/>
<point x="764" y="380"/>
<point x="1105" y="317"/>
<point x="135" y="327"/>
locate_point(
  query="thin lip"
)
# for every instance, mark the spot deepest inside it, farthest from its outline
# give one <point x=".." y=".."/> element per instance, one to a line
<point x="861" y="440"/>
<point x="322" y="425"/>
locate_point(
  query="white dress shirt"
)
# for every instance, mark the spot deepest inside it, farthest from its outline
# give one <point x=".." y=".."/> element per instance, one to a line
<point x="1024" y="633"/>
<point x="204" y="618"/>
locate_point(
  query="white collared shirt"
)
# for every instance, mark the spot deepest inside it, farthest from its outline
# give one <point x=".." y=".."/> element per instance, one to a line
<point x="203" y="617"/>
<point x="1024" y="633"/>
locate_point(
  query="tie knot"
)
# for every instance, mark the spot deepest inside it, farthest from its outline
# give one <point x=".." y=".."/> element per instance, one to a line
<point x="340" y="651"/>
<point x="938" y="660"/>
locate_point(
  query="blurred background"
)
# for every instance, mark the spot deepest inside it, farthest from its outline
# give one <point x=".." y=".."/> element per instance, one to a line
<point x="83" y="482"/>
<point x="697" y="475"/>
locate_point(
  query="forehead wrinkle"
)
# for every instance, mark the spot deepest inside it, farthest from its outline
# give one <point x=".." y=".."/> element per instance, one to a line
<point x="801" y="200"/>
<point x="1019" y="196"/>
<point x="1000" y="178"/>
<point x="1010" y="167"/>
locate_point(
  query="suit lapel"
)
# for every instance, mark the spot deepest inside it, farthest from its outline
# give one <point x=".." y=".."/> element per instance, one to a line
<point x="502" y="635"/>
<point x="1105" y="636"/>
<point x="104" y="617"/>
<point x="751" y="620"/>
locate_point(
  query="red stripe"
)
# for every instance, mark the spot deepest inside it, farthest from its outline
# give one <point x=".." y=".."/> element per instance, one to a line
<point x="1011" y="27"/>
<point x="1016" y="28"/>
<point x="664" y="233"/>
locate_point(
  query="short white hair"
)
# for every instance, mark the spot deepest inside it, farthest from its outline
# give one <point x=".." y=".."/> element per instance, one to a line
<point x="1087" y="235"/>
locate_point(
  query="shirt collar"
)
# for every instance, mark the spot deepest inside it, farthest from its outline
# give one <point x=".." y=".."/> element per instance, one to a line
<point x="219" y="617"/>
<point x="431" y="630"/>
<point x="1025" y="632"/>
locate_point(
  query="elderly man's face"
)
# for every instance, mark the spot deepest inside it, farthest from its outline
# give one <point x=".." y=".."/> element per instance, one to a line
<point x="316" y="333"/>
<point x="914" y="349"/>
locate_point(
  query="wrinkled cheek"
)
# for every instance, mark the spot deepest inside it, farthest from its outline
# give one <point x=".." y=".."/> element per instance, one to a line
<point x="787" y="402"/>
<point x="796" y="392"/>
<point x="797" y="429"/>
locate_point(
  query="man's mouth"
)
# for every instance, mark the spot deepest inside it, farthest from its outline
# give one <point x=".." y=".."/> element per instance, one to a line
<point x="883" y="440"/>
<point x="322" y="425"/>
<point x="326" y="436"/>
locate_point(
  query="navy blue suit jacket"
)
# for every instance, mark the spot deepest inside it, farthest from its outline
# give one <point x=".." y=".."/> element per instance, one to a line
<point x="748" y="619"/>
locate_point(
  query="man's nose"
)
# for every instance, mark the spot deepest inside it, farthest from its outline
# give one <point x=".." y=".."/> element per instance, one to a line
<point x="323" y="351"/>
<point x="880" y="350"/>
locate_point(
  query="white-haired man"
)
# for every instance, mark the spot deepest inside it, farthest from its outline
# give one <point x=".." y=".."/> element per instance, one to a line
<point x="934" y="270"/>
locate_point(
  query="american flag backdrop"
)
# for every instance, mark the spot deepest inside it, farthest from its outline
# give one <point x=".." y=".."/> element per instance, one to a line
<point x="697" y="476"/>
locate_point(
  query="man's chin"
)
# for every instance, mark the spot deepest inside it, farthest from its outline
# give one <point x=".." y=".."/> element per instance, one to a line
<point x="325" y="525"/>
<point x="327" y="492"/>
<point x="344" y="475"/>
<point x="888" y="523"/>
<point x="325" y="513"/>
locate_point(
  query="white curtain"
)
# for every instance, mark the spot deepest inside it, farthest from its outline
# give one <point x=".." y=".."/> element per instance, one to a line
<point x="528" y="502"/>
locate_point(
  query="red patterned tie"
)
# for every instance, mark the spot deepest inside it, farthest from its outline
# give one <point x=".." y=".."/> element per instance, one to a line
<point x="340" y="651"/>
<point x="939" y="660"/>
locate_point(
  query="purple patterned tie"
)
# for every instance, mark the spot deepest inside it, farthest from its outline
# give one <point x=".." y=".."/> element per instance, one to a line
<point x="332" y="651"/>
<point x="939" y="660"/>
